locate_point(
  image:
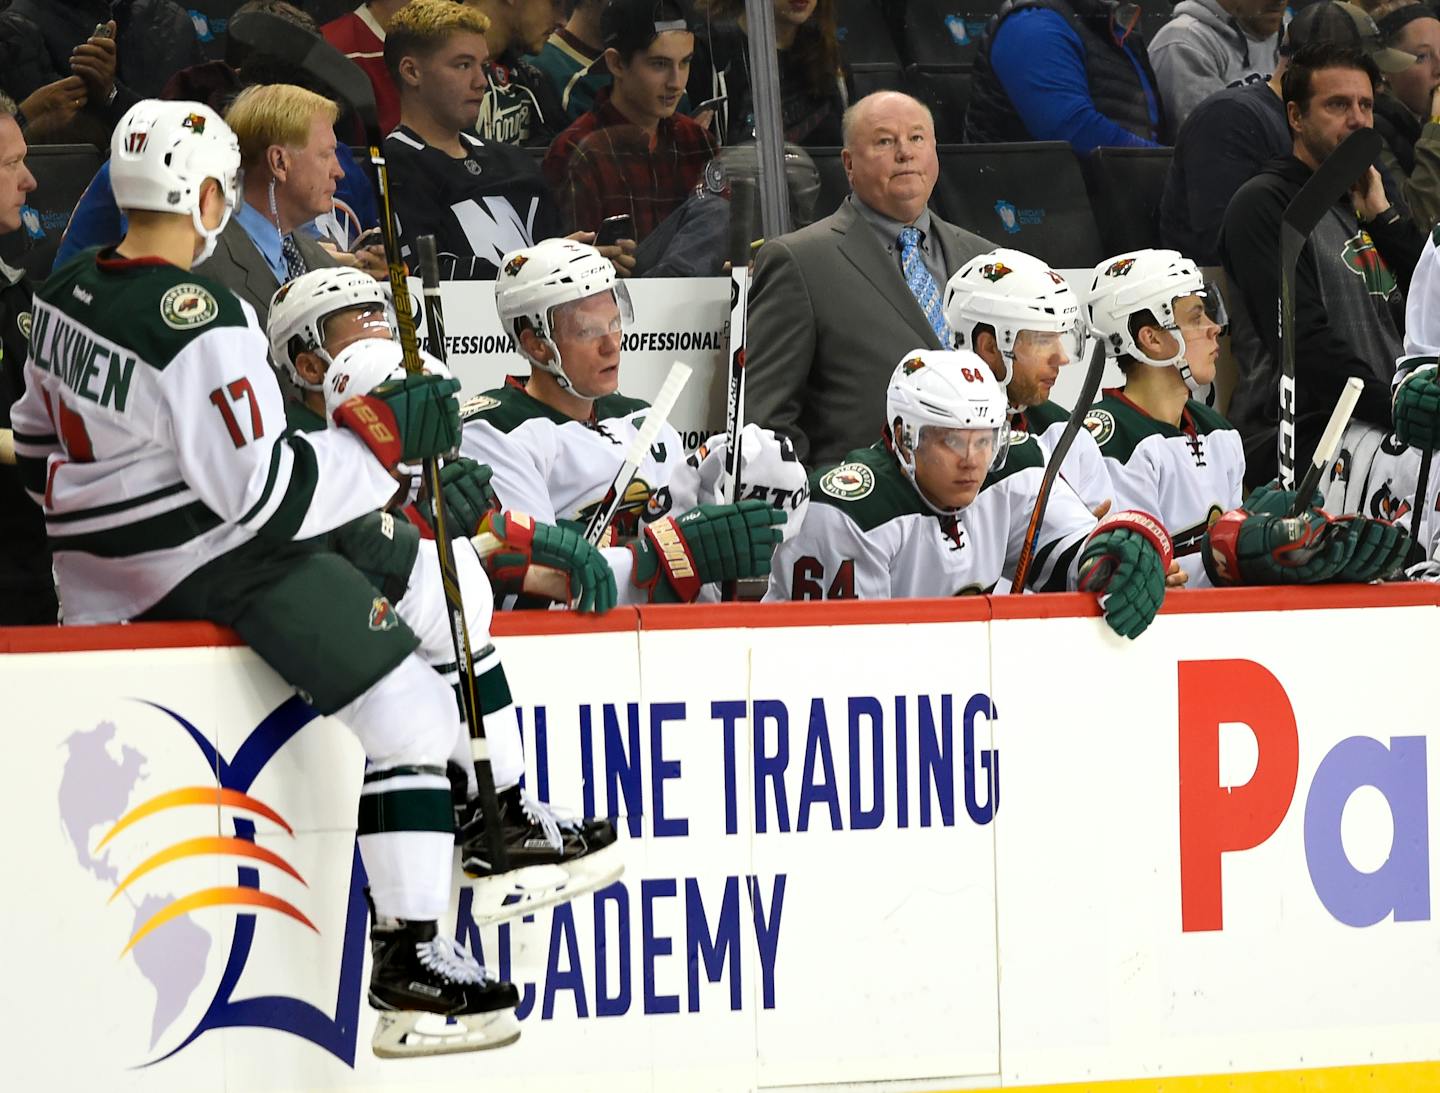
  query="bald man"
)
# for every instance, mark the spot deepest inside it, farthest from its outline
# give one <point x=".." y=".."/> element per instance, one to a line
<point x="836" y="304"/>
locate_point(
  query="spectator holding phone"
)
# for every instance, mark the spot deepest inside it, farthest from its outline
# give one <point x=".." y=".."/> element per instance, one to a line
<point x="812" y="84"/>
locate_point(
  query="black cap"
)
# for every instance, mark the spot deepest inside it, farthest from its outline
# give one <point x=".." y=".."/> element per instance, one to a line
<point x="631" y="25"/>
<point x="1344" y="24"/>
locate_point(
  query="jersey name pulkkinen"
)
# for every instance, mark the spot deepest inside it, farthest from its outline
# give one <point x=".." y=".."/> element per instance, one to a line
<point x="1186" y="476"/>
<point x="869" y="535"/>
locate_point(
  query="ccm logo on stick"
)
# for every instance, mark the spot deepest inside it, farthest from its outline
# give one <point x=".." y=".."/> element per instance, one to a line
<point x="1216" y="820"/>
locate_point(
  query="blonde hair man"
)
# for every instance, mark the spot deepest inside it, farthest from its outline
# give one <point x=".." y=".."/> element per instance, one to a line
<point x="287" y="151"/>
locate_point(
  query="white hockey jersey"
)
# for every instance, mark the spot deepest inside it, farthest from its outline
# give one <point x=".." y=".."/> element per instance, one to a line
<point x="868" y="534"/>
<point x="555" y="468"/>
<point x="1084" y="467"/>
<point x="152" y="433"/>
<point x="1186" y="477"/>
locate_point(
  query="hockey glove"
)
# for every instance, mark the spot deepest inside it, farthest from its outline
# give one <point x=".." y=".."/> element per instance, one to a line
<point x="469" y="498"/>
<point x="405" y="420"/>
<point x="1381" y="548"/>
<point x="1270" y="498"/>
<point x="1266" y="548"/>
<point x="1416" y="409"/>
<point x="708" y="543"/>
<point x="382" y="547"/>
<point x="516" y="551"/>
<point x="1124" y="563"/>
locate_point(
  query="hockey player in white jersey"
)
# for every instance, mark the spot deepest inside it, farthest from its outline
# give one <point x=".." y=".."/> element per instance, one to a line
<point x="941" y="505"/>
<point x="556" y="438"/>
<point x="1023" y="319"/>
<point x="1172" y="455"/>
<point x="153" y="435"/>
<point x="1416" y="401"/>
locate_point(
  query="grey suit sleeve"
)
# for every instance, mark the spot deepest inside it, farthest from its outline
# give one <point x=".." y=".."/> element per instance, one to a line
<point x="779" y="344"/>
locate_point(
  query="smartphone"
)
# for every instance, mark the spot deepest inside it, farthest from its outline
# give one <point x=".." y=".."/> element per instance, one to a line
<point x="368" y="238"/>
<point x="102" y="30"/>
<point x="709" y="104"/>
<point x="613" y="229"/>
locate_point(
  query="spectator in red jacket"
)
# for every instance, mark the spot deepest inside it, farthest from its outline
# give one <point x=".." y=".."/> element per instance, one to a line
<point x="360" y="35"/>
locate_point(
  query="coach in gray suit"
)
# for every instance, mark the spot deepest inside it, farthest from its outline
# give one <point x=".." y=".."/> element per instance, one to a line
<point x="238" y="264"/>
<point x="833" y="309"/>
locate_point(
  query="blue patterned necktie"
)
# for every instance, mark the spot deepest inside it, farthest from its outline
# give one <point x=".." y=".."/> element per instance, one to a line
<point x="294" y="261"/>
<point x="922" y="283"/>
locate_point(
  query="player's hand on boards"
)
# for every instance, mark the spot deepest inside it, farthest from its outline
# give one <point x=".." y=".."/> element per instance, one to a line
<point x="1381" y="548"/>
<point x="469" y="497"/>
<point x="1175" y="577"/>
<point x="1416" y="409"/>
<point x="405" y="420"/>
<point x="1124" y="562"/>
<point x="512" y="547"/>
<point x="708" y="543"/>
<point x="1269" y="548"/>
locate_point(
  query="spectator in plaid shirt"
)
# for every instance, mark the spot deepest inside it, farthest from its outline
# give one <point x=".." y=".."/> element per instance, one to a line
<point x="632" y="153"/>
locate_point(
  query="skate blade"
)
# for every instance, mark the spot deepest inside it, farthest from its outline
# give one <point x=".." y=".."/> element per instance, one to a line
<point x="408" y="1034"/>
<point x="524" y="891"/>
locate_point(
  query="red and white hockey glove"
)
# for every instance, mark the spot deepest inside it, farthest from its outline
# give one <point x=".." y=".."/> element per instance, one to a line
<point x="405" y="420"/>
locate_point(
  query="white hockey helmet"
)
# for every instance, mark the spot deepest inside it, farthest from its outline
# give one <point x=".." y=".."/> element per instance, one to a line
<point x="162" y="152"/>
<point x="299" y="309"/>
<point x="1147" y="280"/>
<point x="534" y="281"/>
<point x="363" y="366"/>
<point x="1011" y="291"/>
<point x="949" y="389"/>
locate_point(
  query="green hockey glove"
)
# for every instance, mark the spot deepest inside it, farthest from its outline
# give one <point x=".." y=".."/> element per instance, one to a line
<point x="1416" y="409"/>
<point x="469" y="498"/>
<point x="382" y="547"/>
<point x="1266" y="548"/>
<point x="1381" y="548"/>
<point x="405" y="420"/>
<point x="1270" y="498"/>
<point x="515" y="551"/>
<point x="708" y="543"/>
<point x="1124" y="563"/>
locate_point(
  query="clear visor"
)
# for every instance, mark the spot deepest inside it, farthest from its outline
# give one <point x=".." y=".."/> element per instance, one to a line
<point x="1045" y="345"/>
<point x="973" y="445"/>
<point x="371" y="320"/>
<point x="1198" y="310"/>
<point x="586" y="320"/>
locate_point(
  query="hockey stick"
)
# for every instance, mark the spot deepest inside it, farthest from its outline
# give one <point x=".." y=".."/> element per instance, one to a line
<point x="742" y="216"/>
<point x="645" y="436"/>
<point x="459" y="630"/>
<point x="296" y="46"/>
<point x="1094" y="370"/>
<point x="1422" y="499"/>
<point x="1321" y="190"/>
<point x="1329" y="441"/>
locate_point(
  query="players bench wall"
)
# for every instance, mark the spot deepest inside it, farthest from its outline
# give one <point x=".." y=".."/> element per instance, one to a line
<point x="675" y="319"/>
<point x="964" y="843"/>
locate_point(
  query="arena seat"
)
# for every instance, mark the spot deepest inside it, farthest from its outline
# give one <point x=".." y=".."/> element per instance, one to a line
<point x="1030" y="196"/>
<point x="947" y="94"/>
<point x="62" y="171"/>
<point x="834" y="186"/>
<point x="867" y="47"/>
<point x="1125" y="186"/>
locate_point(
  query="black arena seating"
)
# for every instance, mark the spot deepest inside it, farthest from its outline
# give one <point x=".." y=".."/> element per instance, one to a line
<point x="867" y="47"/>
<point x="1125" y="186"/>
<point x="62" y="171"/>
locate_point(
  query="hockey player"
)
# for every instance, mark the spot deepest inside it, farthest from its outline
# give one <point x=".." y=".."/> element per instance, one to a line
<point x="1174" y="456"/>
<point x="152" y="433"/>
<point x="940" y="508"/>
<point x="1024" y="321"/>
<point x="556" y="439"/>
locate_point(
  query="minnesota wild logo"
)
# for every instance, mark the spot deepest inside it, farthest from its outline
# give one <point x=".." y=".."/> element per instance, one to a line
<point x="1120" y="268"/>
<point x="515" y="264"/>
<point x="1363" y="260"/>
<point x="993" y="271"/>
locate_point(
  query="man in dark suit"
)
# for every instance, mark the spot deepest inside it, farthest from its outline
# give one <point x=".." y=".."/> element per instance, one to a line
<point x="287" y="150"/>
<point x="837" y="304"/>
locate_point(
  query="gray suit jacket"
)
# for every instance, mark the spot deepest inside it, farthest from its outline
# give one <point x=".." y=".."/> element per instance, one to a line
<point x="238" y="265"/>
<point x="830" y="316"/>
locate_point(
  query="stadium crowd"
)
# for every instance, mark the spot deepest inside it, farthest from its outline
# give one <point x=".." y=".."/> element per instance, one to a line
<point x="921" y="136"/>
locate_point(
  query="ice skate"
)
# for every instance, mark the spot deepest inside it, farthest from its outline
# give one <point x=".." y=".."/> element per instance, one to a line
<point x="434" y="998"/>
<point x="552" y="858"/>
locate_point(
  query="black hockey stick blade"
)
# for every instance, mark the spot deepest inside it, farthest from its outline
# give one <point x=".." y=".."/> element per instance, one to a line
<point x="269" y="33"/>
<point x="1422" y="500"/>
<point x="1350" y="159"/>
<point x="1094" y="371"/>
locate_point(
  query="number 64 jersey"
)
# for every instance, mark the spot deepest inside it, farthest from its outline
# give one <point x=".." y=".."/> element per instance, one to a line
<point x="869" y="535"/>
<point x="152" y="433"/>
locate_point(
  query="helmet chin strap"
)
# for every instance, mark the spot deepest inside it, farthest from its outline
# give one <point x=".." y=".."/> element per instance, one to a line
<point x="1177" y="362"/>
<point x="211" y="237"/>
